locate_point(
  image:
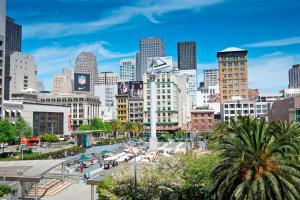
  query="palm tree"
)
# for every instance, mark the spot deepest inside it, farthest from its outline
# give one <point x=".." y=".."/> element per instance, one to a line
<point x="258" y="160"/>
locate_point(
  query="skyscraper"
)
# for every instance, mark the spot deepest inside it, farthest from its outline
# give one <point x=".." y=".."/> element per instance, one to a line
<point x="149" y="48"/>
<point x="294" y="76"/>
<point x="128" y="69"/>
<point x="86" y="63"/>
<point x="13" y="43"/>
<point x="62" y="83"/>
<point x="187" y="56"/>
<point x="233" y="71"/>
<point x="2" y="50"/>
<point x="211" y="77"/>
<point x="107" y="78"/>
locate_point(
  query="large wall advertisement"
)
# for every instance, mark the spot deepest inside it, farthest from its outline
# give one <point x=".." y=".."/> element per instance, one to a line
<point x="159" y="64"/>
<point x="123" y="88"/>
<point x="136" y="89"/>
<point x="81" y="82"/>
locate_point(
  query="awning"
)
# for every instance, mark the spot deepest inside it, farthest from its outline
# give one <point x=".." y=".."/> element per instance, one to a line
<point x="7" y="110"/>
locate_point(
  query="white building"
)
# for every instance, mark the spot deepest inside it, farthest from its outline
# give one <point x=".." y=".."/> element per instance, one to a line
<point x="237" y="107"/>
<point x="192" y="82"/>
<point x="63" y="83"/>
<point x="23" y="72"/>
<point x="211" y="77"/>
<point x="106" y="94"/>
<point x="128" y="69"/>
<point x="107" y="78"/>
<point x="209" y="97"/>
<point x="84" y="107"/>
<point x="262" y="102"/>
<point x="290" y="92"/>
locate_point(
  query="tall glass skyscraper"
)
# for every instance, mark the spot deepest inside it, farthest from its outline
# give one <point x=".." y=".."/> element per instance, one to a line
<point x="187" y="55"/>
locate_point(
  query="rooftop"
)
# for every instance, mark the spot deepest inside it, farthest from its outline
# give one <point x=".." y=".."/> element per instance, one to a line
<point x="231" y="49"/>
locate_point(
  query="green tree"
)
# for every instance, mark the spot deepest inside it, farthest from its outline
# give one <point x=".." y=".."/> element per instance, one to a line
<point x="97" y="124"/>
<point x="7" y="131"/>
<point x="258" y="161"/>
<point x="5" y="189"/>
<point x="85" y="127"/>
<point x="23" y="129"/>
<point x="49" y="137"/>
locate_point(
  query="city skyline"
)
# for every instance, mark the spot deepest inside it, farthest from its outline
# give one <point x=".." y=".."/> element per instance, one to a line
<point x="101" y="27"/>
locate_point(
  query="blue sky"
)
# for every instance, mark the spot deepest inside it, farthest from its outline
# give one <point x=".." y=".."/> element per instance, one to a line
<point x="56" y="31"/>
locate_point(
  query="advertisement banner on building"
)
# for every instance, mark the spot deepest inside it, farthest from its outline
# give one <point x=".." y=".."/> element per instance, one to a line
<point x="123" y="88"/>
<point x="136" y="89"/>
<point x="214" y="98"/>
<point x="159" y="64"/>
<point x="81" y="82"/>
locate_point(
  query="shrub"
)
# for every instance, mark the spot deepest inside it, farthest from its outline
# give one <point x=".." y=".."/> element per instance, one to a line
<point x="5" y="189"/>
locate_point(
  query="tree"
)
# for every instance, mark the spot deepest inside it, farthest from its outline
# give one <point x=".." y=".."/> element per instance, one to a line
<point x="258" y="160"/>
<point x="23" y="129"/>
<point x="7" y="131"/>
<point x="97" y="124"/>
<point x="49" y="137"/>
<point x="85" y="127"/>
<point x="117" y="126"/>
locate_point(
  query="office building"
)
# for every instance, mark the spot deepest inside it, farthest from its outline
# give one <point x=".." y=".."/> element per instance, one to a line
<point x="285" y="110"/>
<point x="211" y="77"/>
<point x="107" y="78"/>
<point x="209" y="97"/>
<point x="86" y="63"/>
<point x="187" y="55"/>
<point x="122" y="107"/>
<point x="106" y="94"/>
<point x="128" y="69"/>
<point x="290" y="92"/>
<point x="233" y="71"/>
<point x="63" y="83"/>
<point x="202" y="119"/>
<point x="294" y="76"/>
<point x="263" y="101"/>
<point x="13" y="43"/>
<point x="23" y="73"/>
<point x="135" y="110"/>
<point x="192" y="83"/>
<point x="2" y="50"/>
<point x="237" y="107"/>
<point x="149" y="48"/>
<point x="84" y="107"/>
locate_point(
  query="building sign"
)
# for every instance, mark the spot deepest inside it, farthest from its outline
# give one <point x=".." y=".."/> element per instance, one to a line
<point x="159" y="64"/>
<point x="81" y="82"/>
<point x="136" y="89"/>
<point x="214" y="98"/>
<point x="123" y="88"/>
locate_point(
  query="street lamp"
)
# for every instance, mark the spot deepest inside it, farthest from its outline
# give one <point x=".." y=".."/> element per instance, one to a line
<point x="135" y="178"/>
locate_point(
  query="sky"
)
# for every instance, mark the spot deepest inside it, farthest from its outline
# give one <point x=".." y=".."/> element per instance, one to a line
<point x="56" y="31"/>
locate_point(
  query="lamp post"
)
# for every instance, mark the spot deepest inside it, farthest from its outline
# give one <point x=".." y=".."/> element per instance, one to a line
<point x="135" y="178"/>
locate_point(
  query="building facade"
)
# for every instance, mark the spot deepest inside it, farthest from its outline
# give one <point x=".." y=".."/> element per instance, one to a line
<point x="128" y="69"/>
<point x="83" y="106"/>
<point x="294" y="76"/>
<point x="237" y="107"/>
<point x="107" y="78"/>
<point x="13" y="43"/>
<point x="122" y="107"/>
<point x="149" y="48"/>
<point x="209" y="97"/>
<point x="192" y="82"/>
<point x="211" y="77"/>
<point x="2" y="50"/>
<point x="202" y="120"/>
<point x="290" y="92"/>
<point x="135" y="110"/>
<point x="23" y="73"/>
<point x="63" y="83"/>
<point x="263" y="101"/>
<point x="187" y="55"/>
<point x="86" y="63"/>
<point x="233" y="73"/>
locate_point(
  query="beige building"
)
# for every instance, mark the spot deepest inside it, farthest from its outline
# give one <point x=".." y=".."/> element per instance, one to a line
<point x="83" y="106"/>
<point x="122" y="107"/>
<point x="233" y="73"/>
<point x="62" y="83"/>
<point x="107" y="78"/>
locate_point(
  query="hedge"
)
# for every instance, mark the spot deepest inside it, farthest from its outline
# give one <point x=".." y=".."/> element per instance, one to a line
<point x="108" y="141"/>
<point x="5" y="189"/>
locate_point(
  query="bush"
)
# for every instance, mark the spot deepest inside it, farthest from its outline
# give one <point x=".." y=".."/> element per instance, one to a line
<point x="5" y="189"/>
<point x="49" y="137"/>
<point x="108" y="141"/>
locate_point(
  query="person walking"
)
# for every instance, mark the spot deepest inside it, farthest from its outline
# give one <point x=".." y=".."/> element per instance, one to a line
<point x="81" y="168"/>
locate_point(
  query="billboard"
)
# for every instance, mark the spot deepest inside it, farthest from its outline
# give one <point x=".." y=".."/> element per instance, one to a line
<point x="159" y="64"/>
<point x="136" y="89"/>
<point x="123" y="88"/>
<point x="81" y="82"/>
<point x="214" y="98"/>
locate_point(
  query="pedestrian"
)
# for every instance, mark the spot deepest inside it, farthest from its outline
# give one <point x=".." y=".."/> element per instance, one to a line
<point x="81" y="168"/>
<point x="101" y="163"/>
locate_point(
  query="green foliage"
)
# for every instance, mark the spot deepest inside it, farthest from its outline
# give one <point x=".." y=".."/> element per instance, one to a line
<point x="107" y="141"/>
<point x="49" y="137"/>
<point x="7" y="131"/>
<point x="5" y="189"/>
<point x="258" y="160"/>
<point x="23" y="129"/>
<point x="97" y="124"/>
<point x="85" y="127"/>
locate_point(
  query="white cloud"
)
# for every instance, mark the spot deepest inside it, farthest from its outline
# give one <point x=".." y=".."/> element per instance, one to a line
<point x="275" y="43"/>
<point x="151" y="9"/>
<point x="51" y="60"/>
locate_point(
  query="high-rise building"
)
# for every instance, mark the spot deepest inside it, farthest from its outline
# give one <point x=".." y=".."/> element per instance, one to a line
<point x="86" y="63"/>
<point x="13" y="43"/>
<point x="294" y="76"/>
<point x="149" y="48"/>
<point x="233" y="73"/>
<point x="2" y="50"/>
<point x="187" y="55"/>
<point x="107" y="78"/>
<point x="23" y="73"/>
<point x="63" y="83"/>
<point x="211" y="77"/>
<point x="128" y="69"/>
